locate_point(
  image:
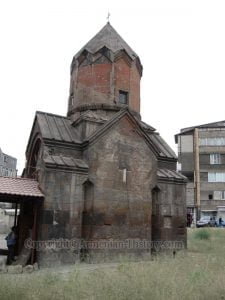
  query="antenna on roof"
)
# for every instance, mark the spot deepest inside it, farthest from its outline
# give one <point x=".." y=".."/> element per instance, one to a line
<point x="108" y="16"/>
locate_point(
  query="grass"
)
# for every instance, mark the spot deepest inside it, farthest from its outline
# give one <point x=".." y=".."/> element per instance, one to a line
<point x="198" y="273"/>
<point x="202" y="234"/>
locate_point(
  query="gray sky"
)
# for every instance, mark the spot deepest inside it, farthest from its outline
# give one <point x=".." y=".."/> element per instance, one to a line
<point x="181" y="45"/>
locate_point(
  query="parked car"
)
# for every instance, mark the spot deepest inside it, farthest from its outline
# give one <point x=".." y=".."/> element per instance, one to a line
<point x="206" y="221"/>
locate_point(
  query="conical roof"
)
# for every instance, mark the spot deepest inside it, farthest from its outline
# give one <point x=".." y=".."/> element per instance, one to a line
<point x="107" y="37"/>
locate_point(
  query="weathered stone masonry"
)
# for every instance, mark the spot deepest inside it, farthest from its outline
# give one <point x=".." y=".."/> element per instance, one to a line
<point x="105" y="174"/>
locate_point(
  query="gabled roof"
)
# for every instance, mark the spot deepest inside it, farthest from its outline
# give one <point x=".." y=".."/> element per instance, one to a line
<point x="156" y="143"/>
<point x="57" y="128"/>
<point x="107" y="125"/>
<point x="19" y="187"/>
<point x="54" y="127"/>
<point x="107" y="37"/>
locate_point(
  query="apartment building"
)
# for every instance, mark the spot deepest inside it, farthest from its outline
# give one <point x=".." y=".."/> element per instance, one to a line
<point x="201" y="155"/>
<point x="7" y="165"/>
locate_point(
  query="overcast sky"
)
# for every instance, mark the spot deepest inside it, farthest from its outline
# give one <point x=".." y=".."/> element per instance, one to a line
<point x="181" y="45"/>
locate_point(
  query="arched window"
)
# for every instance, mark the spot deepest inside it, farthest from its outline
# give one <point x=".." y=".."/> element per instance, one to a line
<point x="34" y="159"/>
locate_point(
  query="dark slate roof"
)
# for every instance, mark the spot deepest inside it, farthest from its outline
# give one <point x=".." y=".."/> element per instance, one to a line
<point x="66" y="161"/>
<point x="19" y="187"/>
<point x="159" y="146"/>
<point x="170" y="175"/>
<point x="60" y="128"/>
<point x="56" y="127"/>
<point x="163" y="148"/>
<point x="146" y="126"/>
<point x="109" y="38"/>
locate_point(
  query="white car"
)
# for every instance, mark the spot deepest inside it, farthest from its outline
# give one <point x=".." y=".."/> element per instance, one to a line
<point x="206" y="221"/>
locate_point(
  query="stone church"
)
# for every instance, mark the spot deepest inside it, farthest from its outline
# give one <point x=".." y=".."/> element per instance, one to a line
<point x="104" y="173"/>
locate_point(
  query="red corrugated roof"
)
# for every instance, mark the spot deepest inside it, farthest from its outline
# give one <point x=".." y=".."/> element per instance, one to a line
<point x="20" y="186"/>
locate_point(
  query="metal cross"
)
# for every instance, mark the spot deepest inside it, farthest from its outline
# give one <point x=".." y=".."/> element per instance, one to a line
<point x="108" y="16"/>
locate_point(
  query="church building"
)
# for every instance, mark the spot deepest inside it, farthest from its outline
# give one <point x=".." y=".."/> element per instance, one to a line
<point x="104" y="174"/>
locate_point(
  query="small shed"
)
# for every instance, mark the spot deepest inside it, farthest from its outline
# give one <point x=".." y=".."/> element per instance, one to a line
<point x="27" y="199"/>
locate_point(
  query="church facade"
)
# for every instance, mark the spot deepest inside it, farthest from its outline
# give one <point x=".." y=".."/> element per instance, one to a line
<point x="105" y="174"/>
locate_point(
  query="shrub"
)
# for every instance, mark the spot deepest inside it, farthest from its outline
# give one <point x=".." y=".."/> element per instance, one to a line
<point x="202" y="234"/>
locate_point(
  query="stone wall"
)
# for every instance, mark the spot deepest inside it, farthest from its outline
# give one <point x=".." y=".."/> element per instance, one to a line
<point x="61" y="214"/>
<point x="122" y="172"/>
<point x="169" y="213"/>
<point x="6" y="221"/>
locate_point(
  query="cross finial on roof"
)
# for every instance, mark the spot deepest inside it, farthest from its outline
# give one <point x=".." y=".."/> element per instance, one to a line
<point x="108" y="16"/>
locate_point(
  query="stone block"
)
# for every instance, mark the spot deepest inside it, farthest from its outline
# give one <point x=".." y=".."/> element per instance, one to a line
<point x="35" y="266"/>
<point x="62" y="217"/>
<point x="3" y="270"/>
<point x="28" y="269"/>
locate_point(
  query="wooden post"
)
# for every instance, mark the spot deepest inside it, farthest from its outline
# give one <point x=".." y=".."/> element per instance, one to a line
<point x="15" y="216"/>
<point x="34" y="231"/>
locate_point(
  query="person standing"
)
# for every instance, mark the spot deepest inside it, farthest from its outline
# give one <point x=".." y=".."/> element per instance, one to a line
<point x="11" y="242"/>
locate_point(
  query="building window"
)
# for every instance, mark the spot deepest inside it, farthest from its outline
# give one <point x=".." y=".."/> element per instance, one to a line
<point x="71" y="99"/>
<point x="217" y="141"/>
<point x="215" y="159"/>
<point x="216" y="177"/>
<point x="210" y="196"/>
<point x="219" y="195"/>
<point x="123" y="97"/>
